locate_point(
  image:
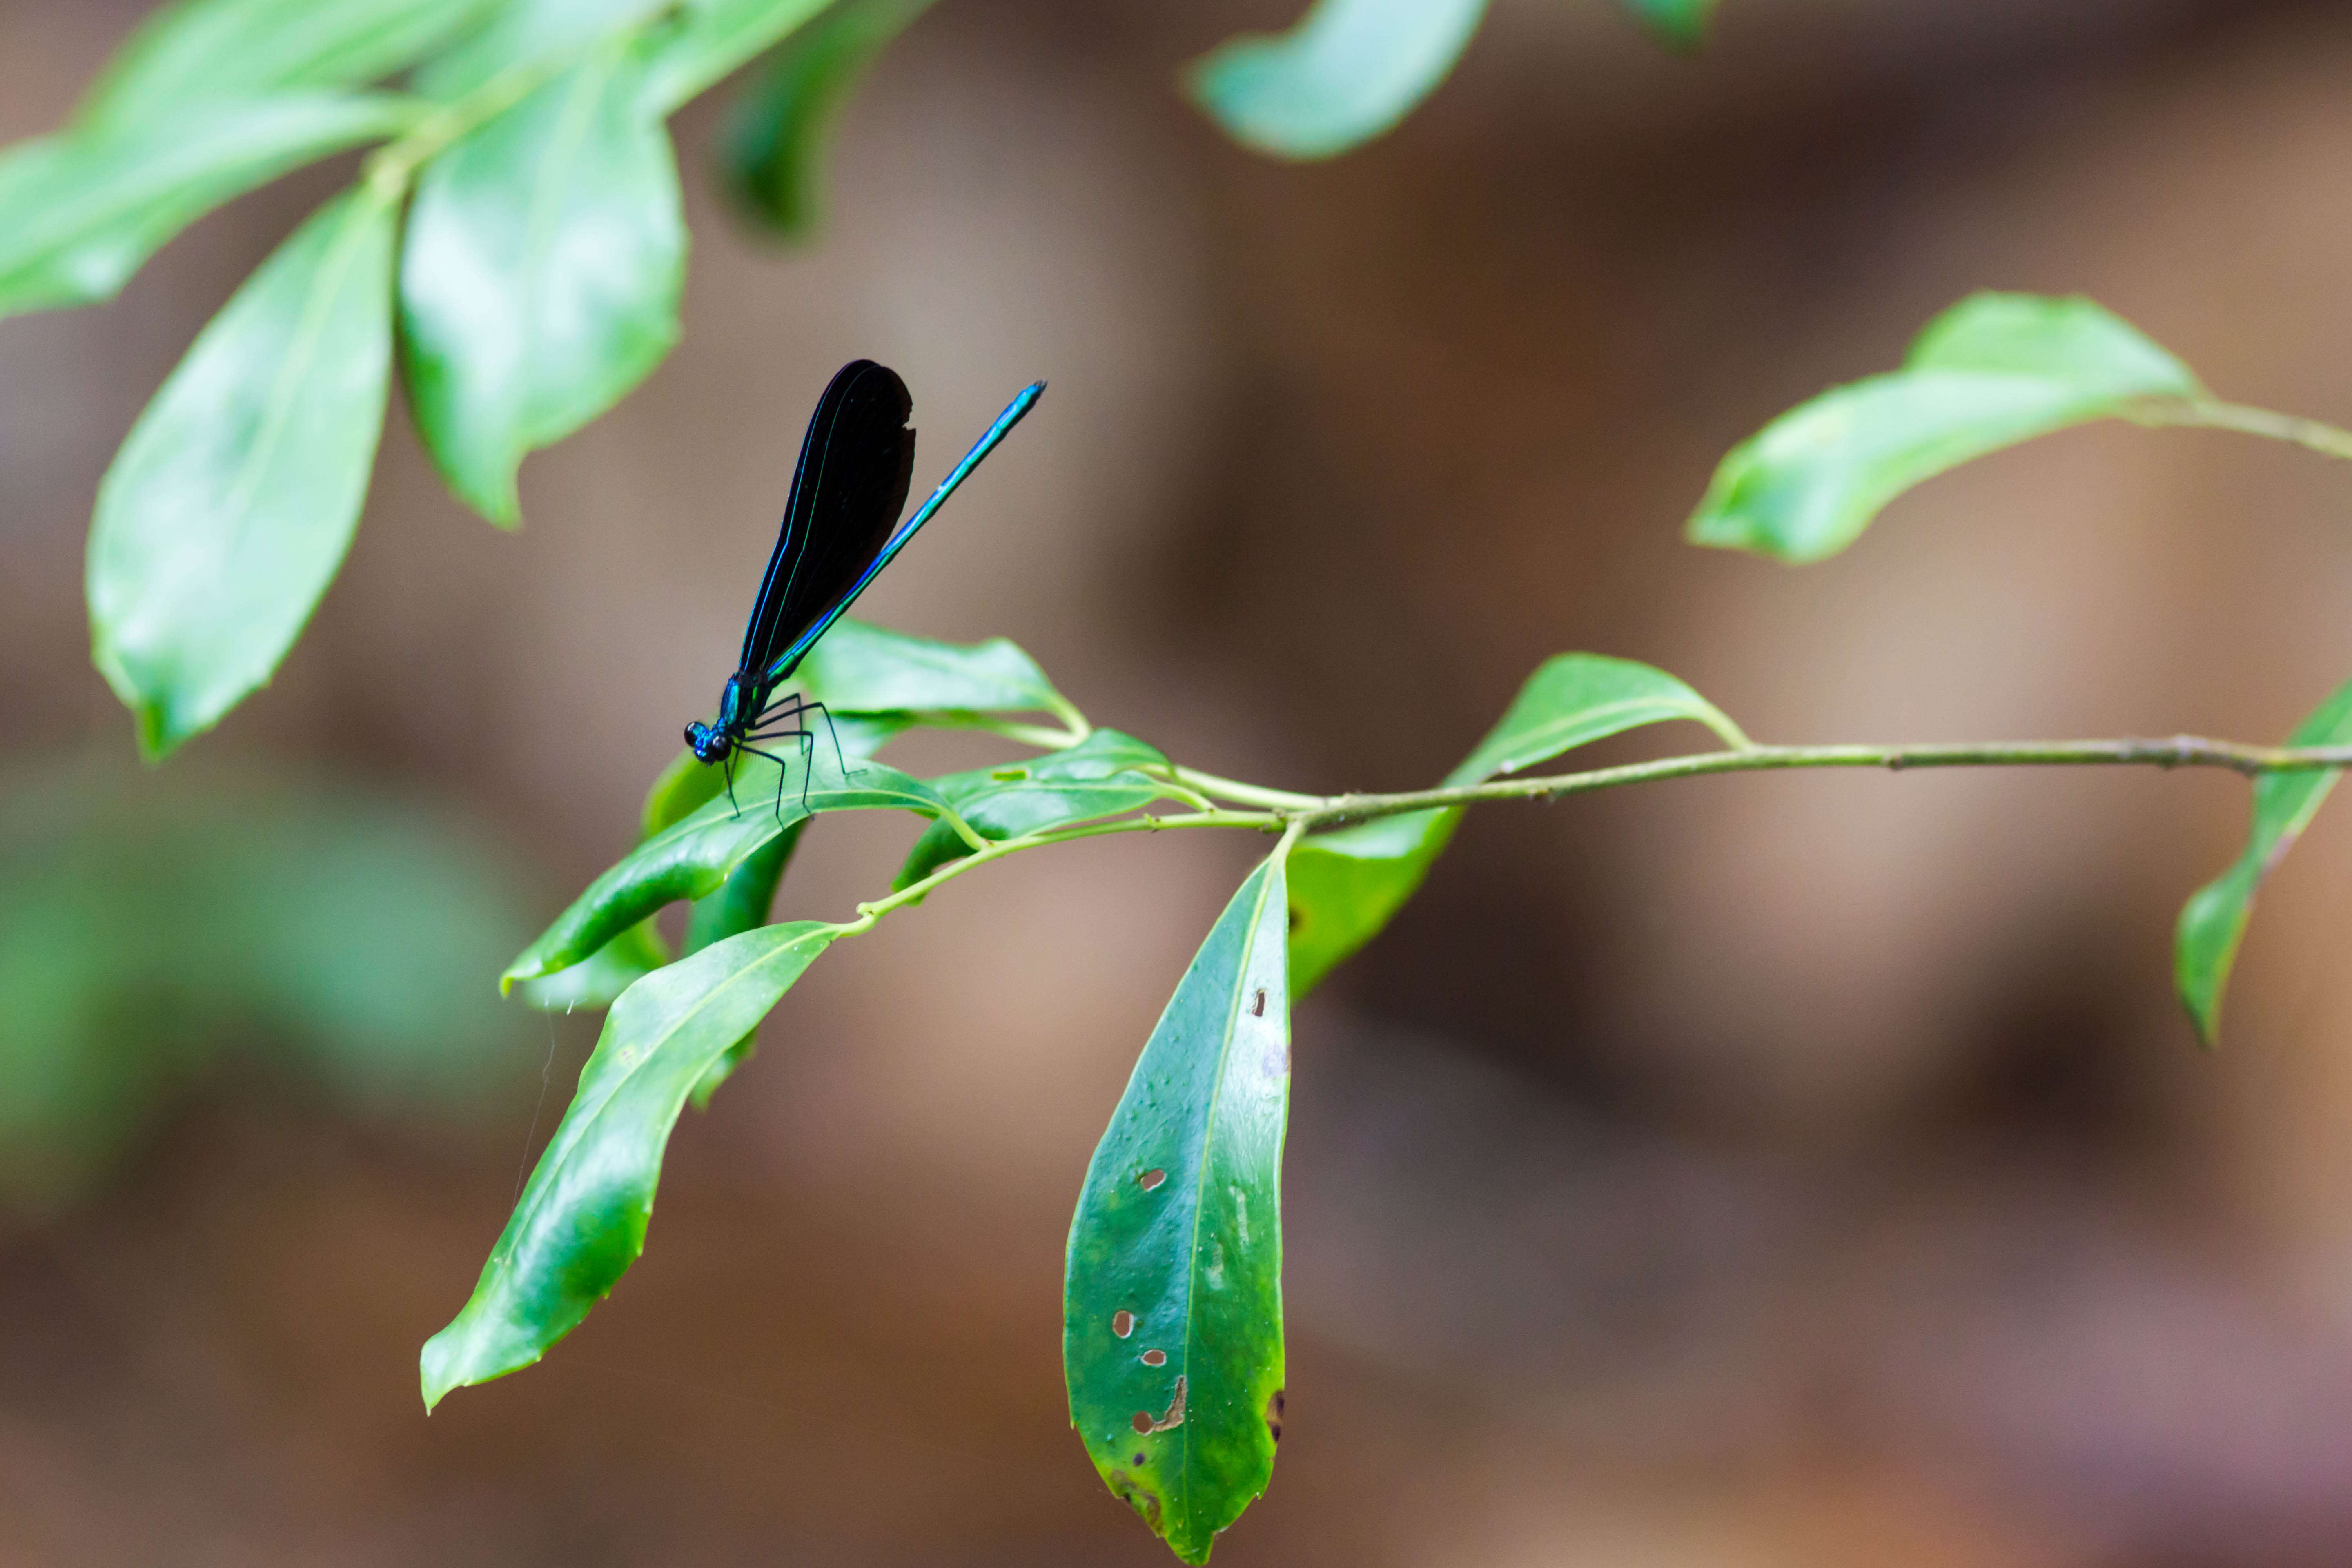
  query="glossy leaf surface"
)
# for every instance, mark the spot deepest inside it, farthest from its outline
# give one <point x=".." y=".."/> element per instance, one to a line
<point x="1096" y="778"/>
<point x="229" y="508"/>
<point x="1578" y="698"/>
<point x="80" y="212"/>
<point x="1171" y="1335"/>
<point x="693" y="858"/>
<point x="1995" y="369"/>
<point x="2213" y="921"/>
<point x="778" y="129"/>
<point x="1345" y="884"/>
<point x="581" y="1219"/>
<point x="1349" y="70"/>
<point x="540" y="275"/>
<point x="864" y="669"/>
<point x="226" y="49"/>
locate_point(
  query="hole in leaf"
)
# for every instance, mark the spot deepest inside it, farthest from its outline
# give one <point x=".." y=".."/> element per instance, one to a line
<point x="1155" y="1358"/>
<point x="1257" y="1008"/>
<point x="1274" y="1415"/>
<point x="1143" y="1420"/>
<point x="1122" y="1323"/>
<point x="1152" y="1178"/>
<point x="1138" y="1459"/>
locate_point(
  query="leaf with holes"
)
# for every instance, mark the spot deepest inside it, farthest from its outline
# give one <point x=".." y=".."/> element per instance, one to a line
<point x="1995" y="369"/>
<point x="1098" y="777"/>
<point x="80" y="212"/>
<point x="1682" y="23"/>
<point x="2213" y="921"/>
<point x="1346" y="73"/>
<point x="693" y="858"/>
<point x="228" y="509"/>
<point x="221" y="50"/>
<point x="1172" y="1329"/>
<point x="1345" y="884"/>
<point x="539" y="277"/>
<point x="581" y="1219"/>
<point x="777" y="130"/>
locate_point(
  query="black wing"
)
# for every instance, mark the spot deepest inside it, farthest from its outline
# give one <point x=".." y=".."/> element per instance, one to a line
<point x="848" y="490"/>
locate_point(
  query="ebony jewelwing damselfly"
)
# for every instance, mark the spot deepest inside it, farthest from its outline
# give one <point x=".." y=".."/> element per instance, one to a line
<point x="856" y="464"/>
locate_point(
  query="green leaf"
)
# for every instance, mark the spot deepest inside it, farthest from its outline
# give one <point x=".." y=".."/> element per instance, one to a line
<point x="81" y="213"/>
<point x="1347" y="73"/>
<point x="524" y="32"/>
<point x="716" y="38"/>
<point x="598" y="980"/>
<point x="863" y="669"/>
<point x="1578" y="698"/>
<point x="540" y="274"/>
<point x="229" y="508"/>
<point x="693" y="858"/>
<point x="1345" y="884"/>
<point x="1171" y="1327"/>
<point x="2213" y="921"/>
<point x="1098" y="777"/>
<point x="581" y="1219"/>
<point x="777" y="131"/>
<point x="1682" y="23"/>
<point x="1995" y="369"/>
<point x="220" y="50"/>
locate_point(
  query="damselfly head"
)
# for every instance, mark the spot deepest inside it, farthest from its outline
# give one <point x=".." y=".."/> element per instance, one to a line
<point x="709" y="745"/>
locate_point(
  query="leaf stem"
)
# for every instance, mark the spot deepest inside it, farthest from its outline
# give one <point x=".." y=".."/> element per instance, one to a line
<point x="1243" y="794"/>
<point x="391" y="167"/>
<point x="2179" y="752"/>
<point x="2213" y="414"/>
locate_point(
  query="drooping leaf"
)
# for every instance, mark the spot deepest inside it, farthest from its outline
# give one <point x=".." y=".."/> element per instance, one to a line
<point x="864" y="669"/>
<point x="778" y="128"/>
<point x="81" y="211"/>
<point x="693" y="858"/>
<point x="598" y="980"/>
<point x="581" y="1218"/>
<point x="1096" y="778"/>
<point x="1346" y="73"/>
<point x="229" y="508"/>
<point x="1172" y="1329"/>
<point x="1345" y="884"/>
<point x="1995" y="369"/>
<point x="716" y="37"/>
<point x="221" y="50"/>
<point x="1682" y="23"/>
<point x="2213" y="921"/>
<point x="540" y="273"/>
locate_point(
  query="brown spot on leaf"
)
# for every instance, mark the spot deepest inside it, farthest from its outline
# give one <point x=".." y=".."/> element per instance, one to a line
<point x="1152" y="1178"/>
<point x="1257" y="1009"/>
<point x="1142" y="1419"/>
<point x="1274" y="1415"/>
<point x="1155" y="1358"/>
<point x="1122" y="1323"/>
<point x="1175" y="1416"/>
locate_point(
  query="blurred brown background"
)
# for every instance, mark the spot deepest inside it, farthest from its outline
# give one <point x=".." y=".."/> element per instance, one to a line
<point x="1803" y="1170"/>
